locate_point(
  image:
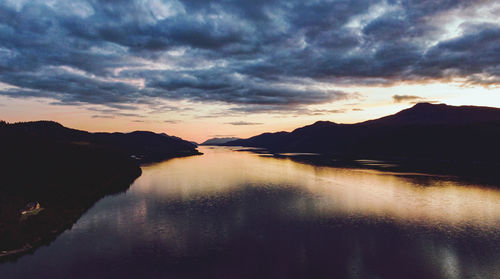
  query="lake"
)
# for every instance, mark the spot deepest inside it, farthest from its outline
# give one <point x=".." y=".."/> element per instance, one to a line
<point x="231" y="214"/>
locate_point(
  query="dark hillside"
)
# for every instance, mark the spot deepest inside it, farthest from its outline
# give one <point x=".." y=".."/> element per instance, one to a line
<point x="66" y="171"/>
<point x="425" y="131"/>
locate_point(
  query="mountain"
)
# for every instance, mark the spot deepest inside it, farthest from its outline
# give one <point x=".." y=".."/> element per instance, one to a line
<point x="425" y="131"/>
<point x="439" y="114"/>
<point x="66" y="171"/>
<point x="143" y="145"/>
<point x="218" y="141"/>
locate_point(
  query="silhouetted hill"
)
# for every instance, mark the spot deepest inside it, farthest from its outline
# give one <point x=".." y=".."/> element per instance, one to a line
<point x="442" y="114"/>
<point x="425" y="131"/>
<point x="218" y="141"/>
<point x="66" y="171"/>
<point x="147" y="146"/>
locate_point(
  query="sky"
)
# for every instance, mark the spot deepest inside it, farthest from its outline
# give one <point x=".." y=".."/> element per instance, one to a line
<point x="201" y="68"/>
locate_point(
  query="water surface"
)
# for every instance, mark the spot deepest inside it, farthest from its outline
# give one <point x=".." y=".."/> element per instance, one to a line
<point x="231" y="214"/>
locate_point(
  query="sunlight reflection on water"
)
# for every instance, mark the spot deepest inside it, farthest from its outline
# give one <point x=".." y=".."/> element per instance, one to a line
<point x="407" y="198"/>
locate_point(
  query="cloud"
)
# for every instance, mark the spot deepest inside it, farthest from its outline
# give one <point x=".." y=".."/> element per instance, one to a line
<point x="103" y="116"/>
<point x="243" y="123"/>
<point x="216" y="85"/>
<point x="171" y="121"/>
<point x="323" y="111"/>
<point x="262" y="56"/>
<point x="110" y="113"/>
<point x="222" y="136"/>
<point x="405" y="98"/>
<point x="474" y="55"/>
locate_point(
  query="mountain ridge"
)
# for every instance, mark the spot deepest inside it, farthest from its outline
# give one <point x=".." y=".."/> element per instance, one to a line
<point x="424" y="131"/>
<point x="218" y="141"/>
<point x="143" y="145"/>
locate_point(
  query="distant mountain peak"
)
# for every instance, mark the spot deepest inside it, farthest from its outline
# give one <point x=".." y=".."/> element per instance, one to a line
<point x="438" y="114"/>
<point x="427" y="104"/>
<point x="219" y="140"/>
<point x="324" y="122"/>
<point x="318" y="125"/>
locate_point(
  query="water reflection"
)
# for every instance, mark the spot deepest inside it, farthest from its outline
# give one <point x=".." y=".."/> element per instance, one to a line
<point x="404" y="197"/>
<point x="238" y="215"/>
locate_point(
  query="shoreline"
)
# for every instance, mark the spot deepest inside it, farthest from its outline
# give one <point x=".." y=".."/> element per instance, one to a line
<point x="115" y="185"/>
<point x="480" y="172"/>
<point x="48" y="234"/>
<point x="46" y="163"/>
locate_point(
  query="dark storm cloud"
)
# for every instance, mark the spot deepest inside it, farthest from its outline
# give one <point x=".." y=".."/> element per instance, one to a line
<point x="476" y="52"/>
<point x="69" y="87"/>
<point x="224" y="87"/>
<point x="257" y="55"/>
